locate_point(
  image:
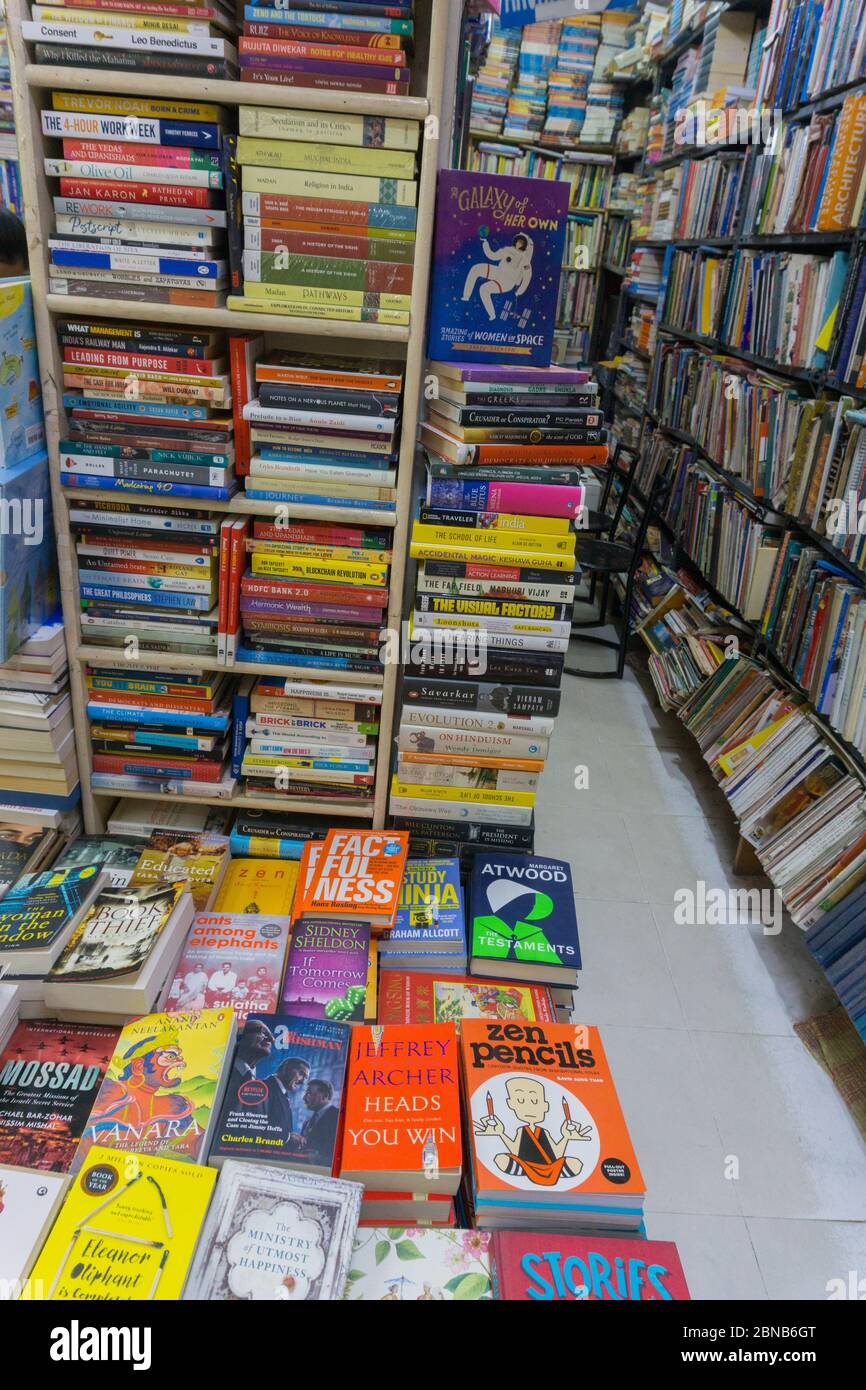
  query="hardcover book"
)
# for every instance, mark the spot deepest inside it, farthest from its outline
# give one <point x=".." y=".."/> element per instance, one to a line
<point x="275" y="1235"/>
<point x="433" y="997"/>
<point x="283" y="1097"/>
<point x="118" y="856"/>
<point x="163" y="1086"/>
<point x="199" y="860"/>
<point x="396" y="1264"/>
<point x="326" y="972"/>
<point x="580" y="1267"/>
<point x="524" y="924"/>
<point x="28" y="1204"/>
<point x="231" y="960"/>
<point x="498" y="249"/>
<point x="50" y="1074"/>
<point x="126" y="1231"/>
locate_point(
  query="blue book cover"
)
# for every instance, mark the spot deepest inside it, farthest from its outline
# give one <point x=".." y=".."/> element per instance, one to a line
<point x="147" y="598"/>
<point x="498" y="249"/>
<point x="72" y="400"/>
<point x="22" y="423"/>
<point x="38" y="909"/>
<point x="30" y="591"/>
<point x="151" y="487"/>
<point x="240" y="714"/>
<point x="430" y="910"/>
<point x="166" y="265"/>
<point x="120" y="714"/>
<point x="298" y="498"/>
<point x="523" y="918"/>
<point x="282" y="1100"/>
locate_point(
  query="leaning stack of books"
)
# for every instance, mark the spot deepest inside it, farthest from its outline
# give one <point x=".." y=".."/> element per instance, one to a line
<point x="328" y="203"/>
<point x="332" y="47"/>
<point x="493" y="80"/>
<point x="148" y="37"/>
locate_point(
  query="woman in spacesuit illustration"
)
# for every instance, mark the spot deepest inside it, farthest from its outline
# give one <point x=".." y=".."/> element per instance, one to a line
<point x="505" y="270"/>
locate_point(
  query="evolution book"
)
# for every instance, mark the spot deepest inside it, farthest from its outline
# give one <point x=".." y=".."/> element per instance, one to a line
<point x="39" y="914"/>
<point x="594" y="1268"/>
<point x="402" y="1121"/>
<point x="419" y="1265"/>
<point x="327" y="972"/>
<point x="358" y="877"/>
<point x="163" y="1086"/>
<point x="29" y="1201"/>
<point x="273" y="1235"/>
<point x="283" y="1097"/>
<point x="50" y="1074"/>
<point x="497" y="253"/>
<point x="524" y="924"/>
<point x="231" y="960"/>
<point x="126" y="1231"/>
<point x="434" y="997"/>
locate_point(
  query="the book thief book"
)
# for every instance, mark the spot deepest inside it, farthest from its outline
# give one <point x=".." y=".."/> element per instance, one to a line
<point x="497" y="254"/>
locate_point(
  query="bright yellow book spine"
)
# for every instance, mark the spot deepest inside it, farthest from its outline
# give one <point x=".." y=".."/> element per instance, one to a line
<point x="492" y="540"/>
<point x="527" y="559"/>
<point x="130" y="21"/>
<point x="99" y="105"/>
<point x="341" y="574"/>
<point x="325" y="159"/>
<point x="283" y="564"/>
<point x="345" y="313"/>
<point x="428" y="792"/>
<point x="307" y="183"/>
<point x="322" y="294"/>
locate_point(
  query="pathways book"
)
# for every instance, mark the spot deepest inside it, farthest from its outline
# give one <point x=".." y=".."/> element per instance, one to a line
<point x="28" y="1204"/>
<point x="393" y="1264"/>
<point x="231" y="960"/>
<point x="594" y="1268"/>
<point x="498" y="249"/>
<point x="524" y="925"/>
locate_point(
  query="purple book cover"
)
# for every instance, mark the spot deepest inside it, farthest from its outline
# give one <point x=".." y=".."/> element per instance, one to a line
<point x="497" y="257"/>
<point x="326" y="973"/>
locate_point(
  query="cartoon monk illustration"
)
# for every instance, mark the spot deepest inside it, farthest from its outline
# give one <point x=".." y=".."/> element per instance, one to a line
<point x="532" y="1152"/>
<point x="509" y="268"/>
<point x="132" y="1106"/>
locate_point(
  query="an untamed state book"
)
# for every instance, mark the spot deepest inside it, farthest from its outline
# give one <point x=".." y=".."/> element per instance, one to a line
<point x="162" y="1086"/>
<point x="327" y="970"/>
<point x="126" y="1231"/>
<point x="407" y="996"/>
<point x="498" y="250"/>
<point x="594" y="1268"/>
<point x="411" y="1264"/>
<point x="230" y="961"/>
<point x="118" y="932"/>
<point x="50" y="1074"/>
<point x="358" y="876"/>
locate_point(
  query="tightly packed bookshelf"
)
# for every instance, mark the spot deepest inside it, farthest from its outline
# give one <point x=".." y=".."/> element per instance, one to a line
<point x="31" y="84"/>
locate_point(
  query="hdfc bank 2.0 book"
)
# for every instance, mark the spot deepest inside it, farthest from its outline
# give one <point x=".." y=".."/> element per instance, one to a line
<point x="594" y="1268"/>
<point x="358" y="877"/>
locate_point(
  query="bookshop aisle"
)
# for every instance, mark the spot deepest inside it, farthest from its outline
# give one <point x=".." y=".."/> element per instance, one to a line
<point x="752" y="1162"/>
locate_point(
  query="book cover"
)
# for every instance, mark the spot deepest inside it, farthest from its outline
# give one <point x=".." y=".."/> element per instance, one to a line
<point x="118" y="933"/>
<point x="430" y="912"/>
<point x="358" y="876"/>
<point x="19" y="845"/>
<point x="523" y="915"/>
<point x="50" y="1074"/>
<point x="28" y="1204"/>
<point x="326" y="972"/>
<point x="283" y="1097"/>
<point x="432" y="996"/>
<point x="231" y="960"/>
<point x="37" y="911"/>
<point x="126" y="1231"/>
<point x="258" y="885"/>
<point x="498" y="249"/>
<point x="272" y="1234"/>
<point x="200" y="861"/>
<point x="162" y="1085"/>
<point x="595" y="1268"/>
<point x="394" y="1264"/>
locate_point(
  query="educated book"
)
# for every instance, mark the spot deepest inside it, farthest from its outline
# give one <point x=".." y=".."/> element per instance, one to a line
<point x="231" y="960"/>
<point x="409" y="1264"/>
<point x="258" y="885"/>
<point x="327" y="971"/>
<point x="597" y="1268"/>
<point x="358" y="876"/>
<point x="497" y="253"/>
<point x="407" y="996"/>
<point x="29" y="1201"/>
<point x="200" y="860"/>
<point x="50" y="1074"/>
<point x="523" y="919"/>
<point x="126" y="1231"/>
<point x="284" y="1093"/>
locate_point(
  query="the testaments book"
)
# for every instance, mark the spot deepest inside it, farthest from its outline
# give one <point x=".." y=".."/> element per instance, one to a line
<point x="497" y="256"/>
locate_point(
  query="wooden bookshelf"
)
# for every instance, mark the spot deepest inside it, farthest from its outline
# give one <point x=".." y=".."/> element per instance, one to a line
<point x="32" y="84"/>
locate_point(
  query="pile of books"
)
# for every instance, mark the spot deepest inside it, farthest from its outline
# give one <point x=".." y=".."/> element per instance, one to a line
<point x="527" y="103"/>
<point x="494" y="80"/>
<point x="570" y="77"/>
<point x="812" y="180"/>
<point x="632" y="134"/>
<point x="796" y="337"/>
<point x="146" y="37"/>
<point x="709" y="197"/>
<point x="328" y="205"/>
<point x="38" y="764"/>
<point x="140" y="205"/>
<point x="329" y="47"/>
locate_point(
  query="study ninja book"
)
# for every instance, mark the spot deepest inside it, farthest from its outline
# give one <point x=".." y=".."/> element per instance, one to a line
<point x="498" y="250"/>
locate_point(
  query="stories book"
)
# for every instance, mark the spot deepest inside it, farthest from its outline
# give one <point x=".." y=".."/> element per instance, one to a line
<point x="597" y="1268"/>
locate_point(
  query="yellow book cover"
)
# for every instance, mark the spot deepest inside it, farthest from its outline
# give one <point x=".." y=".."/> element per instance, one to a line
<point x="125" y="374"/>
<point x="282" y="564"/>
<point x="326" y="159"/>
<point x="429" y="792"/>
<point x="306" y="183"/>
<point x="342" y="313"/>
<point x="371" y="993"/>
<point x="341" y="574"/>
<point x="323" y="294"/>
<point x="258" y="885"/>
<point x="96" y="104"/>
<point x="730" y="761"/>
<point x="90" y="18"/>
<point x="526" y="559"/>
<point x="126" y="1231"/>
<point x="493" y="540"/>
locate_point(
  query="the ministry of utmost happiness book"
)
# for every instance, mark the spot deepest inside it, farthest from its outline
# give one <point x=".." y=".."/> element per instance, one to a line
<point x="407" y="996"/>
<point x="274" y="1235"/>
<point x="401" y="1127"/>
<point x="39" y="914"/>
<point x="231" y="960"/>
<point x="258" y="885"/>
<point x="50" y="1074"/>
<point x="163" y="1086"/>
<point x="327" y="972"/>
<point x="126" y="1231"/>
<point x="357" y="877"/>
<point x="284" y="1093"/>
<point x="594" y="1268"/>
<point x="393" y="1264"/>
<point x="28" y="1204"/>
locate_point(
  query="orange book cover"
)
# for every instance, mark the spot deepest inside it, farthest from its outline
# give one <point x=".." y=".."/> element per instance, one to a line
<point x="358" y="876"/>
<point x="543" y="1115"/>
<point x="401" y="1129"/>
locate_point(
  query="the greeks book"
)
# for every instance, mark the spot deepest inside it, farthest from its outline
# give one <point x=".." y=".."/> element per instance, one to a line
<point x="592" y="1268"/>
<point x="358" y="875"/>
<point x="498" y="250"/>
<point x="523" y="920"/>
<point x="127" y="1230"/>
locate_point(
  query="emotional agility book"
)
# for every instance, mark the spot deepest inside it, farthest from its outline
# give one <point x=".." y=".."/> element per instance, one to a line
<point x="497" y="256"/>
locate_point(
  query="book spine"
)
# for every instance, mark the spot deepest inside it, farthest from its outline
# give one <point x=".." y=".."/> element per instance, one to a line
<point x="138" y="263"/>
<point x="164" y="64"/>
<point x="240" y="714"/>
<point x="209" y="218"/>
<point x="222" y="600"/>
<point x="98" y="104"/>
<point x="231" y="183"/>
<point x="236" y="569"/>
<point x="389" y="19"/>
<point x="166" y="195"/>
<point x="320" y="81"/>
<point x="149" y="362"/>
<point x="244" y="351"/>
<point x="144" y="469"/>
<point x="308" y="184"/>
<point x="115" y="152"/>
<point x="152" y="488"/>
<point x="154" y="23"/>
<point x="134" y="173"/>
<point x="144" y="767"/>
<point x="153" y="598"/>
<point x="285" y="267"/>
<point x="339" y="245"/>
<point x="136" y="40"/>
<point x="324" y="210"/>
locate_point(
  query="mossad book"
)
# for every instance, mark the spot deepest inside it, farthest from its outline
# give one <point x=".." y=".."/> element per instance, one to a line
<point x="524" y="924"/>
<point x="498" y="249"/>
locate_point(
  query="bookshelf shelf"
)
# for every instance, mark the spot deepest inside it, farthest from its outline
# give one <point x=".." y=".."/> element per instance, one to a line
<point x="171" y="661"/>
<point x="297" y="807"/>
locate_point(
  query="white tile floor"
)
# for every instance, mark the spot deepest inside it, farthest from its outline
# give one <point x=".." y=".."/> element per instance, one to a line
<point x="697" y="1021"/>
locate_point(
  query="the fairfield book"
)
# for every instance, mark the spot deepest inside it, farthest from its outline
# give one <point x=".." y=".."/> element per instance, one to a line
<point x="327" y="971"/>
<point x="230" y="960"/>
<point x="283" y="1097"/>
<point x="524" y="924"/>
<point x="429" y="921"/>
<point x="594" y="1268"/>
<point x="358" y="875"/>
<point x="497" y="255"/>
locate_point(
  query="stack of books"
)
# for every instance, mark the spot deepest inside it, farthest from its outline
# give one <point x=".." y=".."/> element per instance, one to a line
<point x="811" y="54"/>
<point x="804" y="292"/>
<point x="494" y="80"/>
<point x="812" y="180"/>
<point x="633" y="130"/>
<point x="136" y="38"/>
<point x="710" y="191"/>
<point x="328" y="205"/>
<point x="329" y="47"/>
<point x="140" y="205"/>
<point x="527" y="104"/>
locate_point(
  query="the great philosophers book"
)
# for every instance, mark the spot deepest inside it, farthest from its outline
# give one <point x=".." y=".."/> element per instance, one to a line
<point x="497" y="255"/>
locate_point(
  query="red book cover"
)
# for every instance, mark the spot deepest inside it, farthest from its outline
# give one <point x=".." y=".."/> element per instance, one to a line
<point x="595" y="1268"/>
<point x="158" y="768"/>
<point x="358" y="876"/>
<point x="292" y="591"/>
<point x="149" y="362"/>
<point x="223" y="591"/>
<point x="237" y="564"/>
<point x="164" y="194"/>
<point x="275" y="41"/>
<point x="145" y="700"/>
<point x="408" y="996"/>
<point x="311" y="532"/>
<point x="244" y="351"/>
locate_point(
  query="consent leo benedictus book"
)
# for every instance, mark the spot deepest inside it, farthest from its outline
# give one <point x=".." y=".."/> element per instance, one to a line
<point x="595" y="1268"/>
<point x="524" y="924"/>
<point x="497" y="253"/>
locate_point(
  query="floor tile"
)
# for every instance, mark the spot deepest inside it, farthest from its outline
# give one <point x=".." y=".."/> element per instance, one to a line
<point x="625" y="977"/>
<point x="676" y="852"/>
<point x="716" y="1254"/>
<point x="829" y="1258"/>
<point x="603" y="864"/>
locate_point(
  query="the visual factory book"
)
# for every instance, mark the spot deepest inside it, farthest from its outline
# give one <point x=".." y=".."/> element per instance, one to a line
<point x="272" y="1235"/>
<point x="284" y="1093"/>
<point x="29" y="1201"/>
<point x="127" y="1229"/>
<point x="594" y="1268"/>
<point x="39" y="914"/>
<point x="410" y="1264"/>
<point x="163" y="1086"/>
<point x="523" y="919"/>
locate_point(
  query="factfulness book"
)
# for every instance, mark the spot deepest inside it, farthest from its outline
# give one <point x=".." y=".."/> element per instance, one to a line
<point x="497" y="253"/>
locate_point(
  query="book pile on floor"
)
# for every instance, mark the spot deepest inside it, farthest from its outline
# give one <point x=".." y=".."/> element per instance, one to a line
<point x="328" y="209"/>
<point x="147" y="37"/>
<point x="140" y="201"/>
<point x="494" y="80"/>
<point x="363" y="48"/>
